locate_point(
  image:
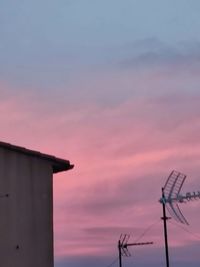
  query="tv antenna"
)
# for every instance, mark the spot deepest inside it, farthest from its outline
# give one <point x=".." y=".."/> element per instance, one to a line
<point x="123" y="246"/>
<point x="170" y="198"/>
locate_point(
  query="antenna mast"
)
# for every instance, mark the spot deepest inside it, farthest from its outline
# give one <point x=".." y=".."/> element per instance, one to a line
<point x="165" y="218"/>
<point x="170" y="197"/>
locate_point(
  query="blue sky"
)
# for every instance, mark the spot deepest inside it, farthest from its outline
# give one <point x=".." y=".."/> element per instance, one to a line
<point x="61" y="38"/>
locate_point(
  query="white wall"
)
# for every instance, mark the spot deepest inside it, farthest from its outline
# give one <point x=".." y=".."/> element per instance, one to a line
<point x="26" y="216"/>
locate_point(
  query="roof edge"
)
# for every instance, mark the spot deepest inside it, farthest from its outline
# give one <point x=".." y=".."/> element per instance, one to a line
<point x="58" y="164"/>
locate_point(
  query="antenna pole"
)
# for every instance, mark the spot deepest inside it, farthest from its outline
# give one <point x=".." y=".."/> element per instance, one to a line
<point x="120" y="253"/>
<point x="165" y="218"/>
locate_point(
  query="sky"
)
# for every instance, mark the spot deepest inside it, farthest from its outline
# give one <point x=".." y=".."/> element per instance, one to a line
<point x="112" y="86"/>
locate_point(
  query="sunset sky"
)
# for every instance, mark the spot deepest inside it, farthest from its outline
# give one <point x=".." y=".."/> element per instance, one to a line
<point x="114" y="87"/>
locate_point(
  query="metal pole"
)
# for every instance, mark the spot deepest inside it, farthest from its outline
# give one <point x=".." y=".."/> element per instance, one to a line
<point x="120" y="253"/>
<point x="165" y="218"/>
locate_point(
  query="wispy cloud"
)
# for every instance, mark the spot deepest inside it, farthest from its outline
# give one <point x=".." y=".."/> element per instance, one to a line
<point x="152" y="52"/>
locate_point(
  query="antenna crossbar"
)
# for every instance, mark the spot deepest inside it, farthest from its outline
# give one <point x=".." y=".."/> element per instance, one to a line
<point x="187" y="197"/>
<point x="137" y="244"/>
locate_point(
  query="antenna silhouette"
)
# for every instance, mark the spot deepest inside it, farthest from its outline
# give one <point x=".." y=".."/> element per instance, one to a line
<point x="171" y="195"/>
<point x="170" y="198"/>
<point x="123" y="246"/>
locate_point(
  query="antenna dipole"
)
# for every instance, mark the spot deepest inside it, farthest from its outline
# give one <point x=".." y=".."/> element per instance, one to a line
<point x="123" y="247"/>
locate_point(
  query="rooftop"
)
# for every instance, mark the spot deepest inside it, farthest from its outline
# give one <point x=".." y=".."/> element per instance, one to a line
<point x="58" y="164"/>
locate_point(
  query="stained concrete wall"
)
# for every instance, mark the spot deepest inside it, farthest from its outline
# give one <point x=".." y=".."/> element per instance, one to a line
<point x="26" y="215"/>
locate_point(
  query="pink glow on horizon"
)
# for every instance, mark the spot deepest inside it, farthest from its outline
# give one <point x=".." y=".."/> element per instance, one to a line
<point x="119" y="150"/>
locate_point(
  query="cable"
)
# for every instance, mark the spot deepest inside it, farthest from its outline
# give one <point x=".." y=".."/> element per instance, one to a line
<point x="146" y="230"/>
<point x="113" y="262"/>
<point x="186" y="230"/>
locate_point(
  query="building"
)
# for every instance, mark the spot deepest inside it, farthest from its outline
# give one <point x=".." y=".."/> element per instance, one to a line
<point x="26" y="206"/>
